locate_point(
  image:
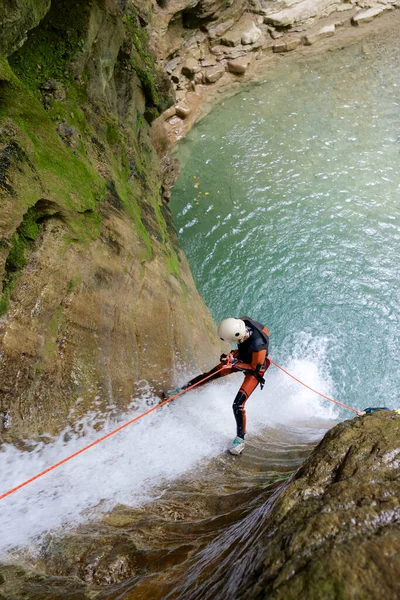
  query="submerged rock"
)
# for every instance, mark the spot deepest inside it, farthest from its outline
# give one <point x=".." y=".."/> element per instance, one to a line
<point x="287" y="46"/>
<point x="299" y="12"/>
<point x="324" y="32"/>
<point x="239" y="65"/>
<point x="212" y="74"/>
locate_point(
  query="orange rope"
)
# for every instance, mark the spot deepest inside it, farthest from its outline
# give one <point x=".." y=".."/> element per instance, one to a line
<point x="104" y="437"/>
<point x="315" y="391"/>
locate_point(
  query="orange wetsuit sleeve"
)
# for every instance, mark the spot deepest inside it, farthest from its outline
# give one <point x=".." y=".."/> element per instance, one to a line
<point x="258" y="359"/>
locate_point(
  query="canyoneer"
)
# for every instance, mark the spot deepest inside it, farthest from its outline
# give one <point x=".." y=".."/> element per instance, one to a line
<point x="251" y="358"/>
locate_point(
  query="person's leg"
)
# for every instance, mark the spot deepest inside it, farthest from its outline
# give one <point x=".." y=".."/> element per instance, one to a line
<point x="248" y="386"/>
<point x="215" y="373"/>
<point x="246" y="389"/>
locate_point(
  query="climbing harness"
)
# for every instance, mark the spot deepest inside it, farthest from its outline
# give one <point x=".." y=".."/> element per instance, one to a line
<point x="227" y="365"/>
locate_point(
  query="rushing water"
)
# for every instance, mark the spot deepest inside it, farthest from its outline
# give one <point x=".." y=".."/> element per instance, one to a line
<point x="288" y="210"/>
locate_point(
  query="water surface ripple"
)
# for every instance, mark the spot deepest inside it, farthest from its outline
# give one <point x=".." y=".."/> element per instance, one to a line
<point x="287" y="208"/>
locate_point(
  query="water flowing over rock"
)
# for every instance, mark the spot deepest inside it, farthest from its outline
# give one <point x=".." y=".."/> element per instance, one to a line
<point x="333" y="531"/>
<point x="337" y="523"/>
<point x="98" y="303"/>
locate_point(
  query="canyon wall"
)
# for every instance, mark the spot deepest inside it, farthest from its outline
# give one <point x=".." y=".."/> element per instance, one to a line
<point x="97" y="302"/>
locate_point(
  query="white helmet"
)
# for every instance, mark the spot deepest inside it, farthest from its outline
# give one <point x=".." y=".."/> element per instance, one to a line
<point x="232" y="330"/>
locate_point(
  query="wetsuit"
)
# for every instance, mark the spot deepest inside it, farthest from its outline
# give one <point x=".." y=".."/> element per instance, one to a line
<point x="252" y="359"/>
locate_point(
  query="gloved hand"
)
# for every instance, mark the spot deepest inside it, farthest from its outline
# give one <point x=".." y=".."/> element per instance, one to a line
<point x="228" y="358"/>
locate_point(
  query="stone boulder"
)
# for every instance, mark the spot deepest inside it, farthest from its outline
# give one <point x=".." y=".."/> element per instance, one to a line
<point x="251" y="35"/>
<point x="232" y="38"/>
<point x="16" y="19"/>
<point x="299" y="12"/>
<point x="333" y="531"/>
<point x="190" y="67"/>
<point x="324" y="32"/>
<point x="287" y="46"/>
<point x="366" y="16"/>
<point x="212" y="74"/>
<point x="215" y="31"/>
<point x="239" y="65"/>
<point x="182" y="110"/>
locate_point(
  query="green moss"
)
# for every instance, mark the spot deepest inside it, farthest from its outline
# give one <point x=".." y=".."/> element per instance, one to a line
<point x="29" y="229"/>
<point x="20" y="243"/>
<point x="140" y="122"/>
<point x="157" y="91"/>
<point x="16" y="259"/>
<point x="57" y="326"/>
<point x="112" y="135"/>
<point x="68" y="179"/>
<point x="73" y="283"/>
<point x="4" y="302"/>
<point x="131" y="206"/>
<point x="47" y="56"/>
<point x="173" y="264"/>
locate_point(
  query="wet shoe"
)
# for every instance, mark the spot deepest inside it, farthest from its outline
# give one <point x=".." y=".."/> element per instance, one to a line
<point x="166" y="395"/>
<point x="237" y="446"/>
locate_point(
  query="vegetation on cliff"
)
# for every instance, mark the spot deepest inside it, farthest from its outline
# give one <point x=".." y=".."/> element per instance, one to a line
<point x="81" y="192"/>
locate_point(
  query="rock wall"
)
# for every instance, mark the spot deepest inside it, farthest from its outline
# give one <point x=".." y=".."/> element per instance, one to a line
<point x="97" y="298"/>
<point x="330" y="532"/>
<point x="336" y="526"/>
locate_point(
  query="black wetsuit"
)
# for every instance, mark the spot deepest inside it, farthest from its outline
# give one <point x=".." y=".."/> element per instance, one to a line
<point x="253" y="352"/>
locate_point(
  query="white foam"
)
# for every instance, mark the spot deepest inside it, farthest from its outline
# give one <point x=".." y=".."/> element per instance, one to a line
<point x="126" y="467"/>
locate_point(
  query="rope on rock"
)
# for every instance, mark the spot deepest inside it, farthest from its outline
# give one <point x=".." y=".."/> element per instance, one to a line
<point x="147" y="412"/>
<point x="104" y="437"/>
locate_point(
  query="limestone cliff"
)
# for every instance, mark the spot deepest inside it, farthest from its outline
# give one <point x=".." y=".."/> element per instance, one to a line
<point x="97" y="297"/>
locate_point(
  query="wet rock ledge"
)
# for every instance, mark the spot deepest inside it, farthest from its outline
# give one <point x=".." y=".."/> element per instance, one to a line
<point x="335" y="530"/>
<point x="332" y="531"/>
<point x="212" y="46"/>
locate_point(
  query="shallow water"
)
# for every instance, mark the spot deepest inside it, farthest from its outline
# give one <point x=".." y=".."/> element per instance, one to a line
<point x="288" y="210"/>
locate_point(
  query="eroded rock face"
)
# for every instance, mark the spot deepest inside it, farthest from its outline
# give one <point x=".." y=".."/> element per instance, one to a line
<point x="300" y="12"/>
<point x="97" y="297"/>
<point x="178" y="21"/>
